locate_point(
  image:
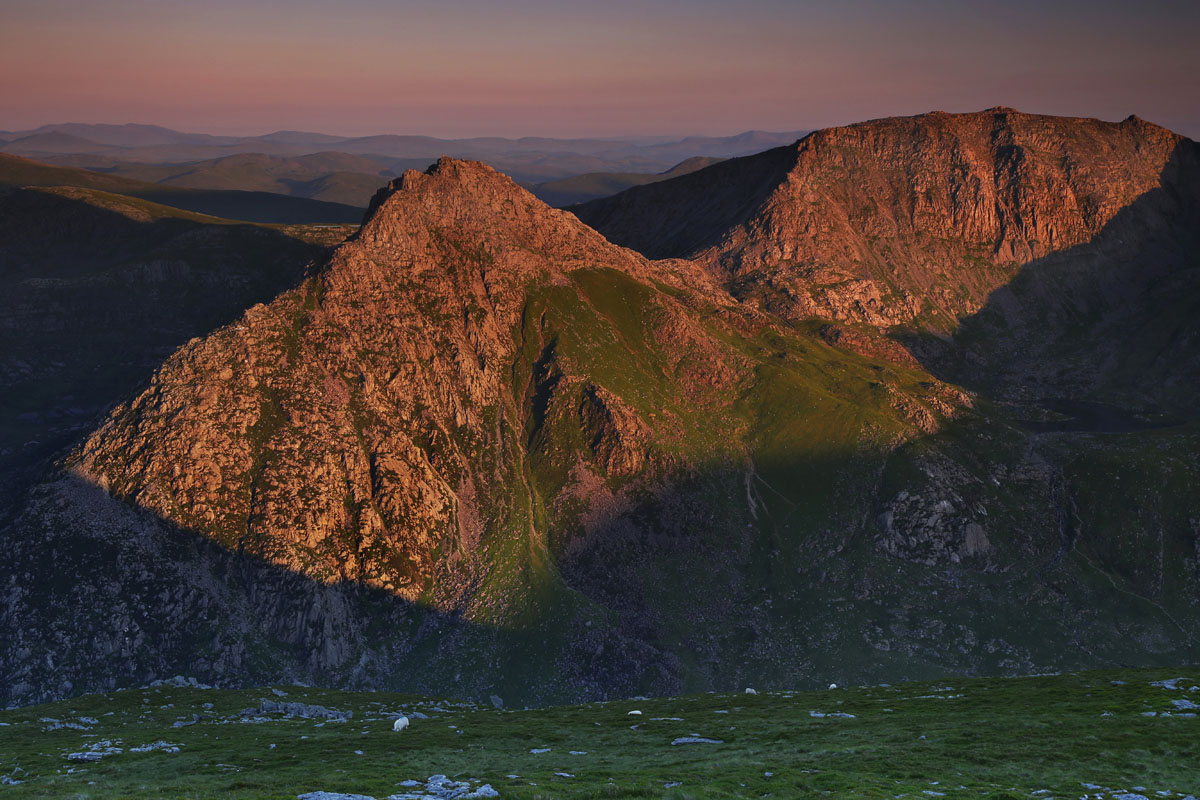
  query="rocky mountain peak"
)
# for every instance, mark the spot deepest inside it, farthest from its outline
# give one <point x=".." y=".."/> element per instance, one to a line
<point x="464" y="200"/>
<point x="907" y="218"/>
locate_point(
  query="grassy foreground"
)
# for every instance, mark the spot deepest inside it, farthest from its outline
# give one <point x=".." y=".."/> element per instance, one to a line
<point x="1093" y="734"/>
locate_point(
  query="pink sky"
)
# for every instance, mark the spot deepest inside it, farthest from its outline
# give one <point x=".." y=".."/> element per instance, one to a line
<point x="468" y="67"/>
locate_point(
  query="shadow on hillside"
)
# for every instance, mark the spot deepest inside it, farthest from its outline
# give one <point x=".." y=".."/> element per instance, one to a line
<point x="726" y="574"/>
<point x="94" y="300"/>
<point x="263" y="207"/>
<point x="1118" y="315"/>
<point x="105" y="594"/>
<point x="687" y="214"/>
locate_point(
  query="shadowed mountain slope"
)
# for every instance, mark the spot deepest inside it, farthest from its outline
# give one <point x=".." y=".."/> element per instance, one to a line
<point x="248" y="206"/>
<point x="331" y="177"/>
<point x="592" y="185"/>
<point x="592" y="474"/>
<point x="98" y="288"/>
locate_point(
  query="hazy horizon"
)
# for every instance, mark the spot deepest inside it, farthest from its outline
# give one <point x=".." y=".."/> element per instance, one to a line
<point x="465" y="68"/>
<point x="667" y="137"/>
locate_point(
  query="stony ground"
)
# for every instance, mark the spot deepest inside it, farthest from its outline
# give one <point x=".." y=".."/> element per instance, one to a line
<point x="1112" y="735"/>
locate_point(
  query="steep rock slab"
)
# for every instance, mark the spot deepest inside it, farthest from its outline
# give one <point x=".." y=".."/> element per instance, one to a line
<point x="913" y="220"/>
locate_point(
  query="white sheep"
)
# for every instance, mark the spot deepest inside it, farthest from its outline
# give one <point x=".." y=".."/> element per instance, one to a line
<point x="833" y="686"/>
<point x="400" y="724"/>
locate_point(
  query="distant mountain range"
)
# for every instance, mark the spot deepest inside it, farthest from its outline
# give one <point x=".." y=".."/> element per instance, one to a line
<point x="529" y="159"/>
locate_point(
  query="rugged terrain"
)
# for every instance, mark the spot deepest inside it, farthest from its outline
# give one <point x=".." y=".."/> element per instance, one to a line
<point x="1037" y="240"/>
<point x="484" y="450"/>
<point x="1112" y="735"/>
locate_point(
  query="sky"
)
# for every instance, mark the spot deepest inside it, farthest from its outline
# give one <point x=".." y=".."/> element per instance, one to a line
<point x="456" y="68"/>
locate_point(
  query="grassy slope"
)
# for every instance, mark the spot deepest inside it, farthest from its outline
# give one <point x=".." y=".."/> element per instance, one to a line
<point x="998" y="738"/>
<point x="247" y="206"/>
<point x="331" y="177"/>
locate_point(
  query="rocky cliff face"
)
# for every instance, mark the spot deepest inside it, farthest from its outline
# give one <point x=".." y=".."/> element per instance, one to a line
<point x="484" y="450"/>
<point x="368" y="420"/>
<point x="912" y="220"/>
<point x="481" y="408"/>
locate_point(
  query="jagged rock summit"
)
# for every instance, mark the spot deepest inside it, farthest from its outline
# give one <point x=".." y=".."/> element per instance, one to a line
<point x="908" y="220"/>
<point x="331" y="430"/>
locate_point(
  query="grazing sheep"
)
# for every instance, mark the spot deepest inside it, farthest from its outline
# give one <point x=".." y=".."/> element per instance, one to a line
<point x="400" y="724"/>
<point x="833" y="686"/>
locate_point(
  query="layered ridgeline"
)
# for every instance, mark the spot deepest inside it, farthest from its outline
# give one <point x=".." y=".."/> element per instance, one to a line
<point x="484" y="450"/>
<point x="1026" y="228"/>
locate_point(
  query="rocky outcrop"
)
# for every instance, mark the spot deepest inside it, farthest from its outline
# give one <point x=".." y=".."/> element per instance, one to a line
<point x="899" y="221"/>
<point x="476" y="404"/>
<point x="482" y="450"/>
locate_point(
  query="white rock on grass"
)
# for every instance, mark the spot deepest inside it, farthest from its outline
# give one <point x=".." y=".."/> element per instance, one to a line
<point x="166" y="747"/>
<point x="439" y="787"/>
<point x="333" y="796"/>
<point x="483" y="791"/>
<point x="84" y="757"/>
<point x="697" y="740"/>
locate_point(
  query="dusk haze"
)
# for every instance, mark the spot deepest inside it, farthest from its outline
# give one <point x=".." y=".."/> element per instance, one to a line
<point x="455" y="68"/>
<point x="681" y="399"/>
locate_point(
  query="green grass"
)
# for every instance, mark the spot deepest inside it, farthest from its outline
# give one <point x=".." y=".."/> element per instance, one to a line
<point x="997" y="738"/>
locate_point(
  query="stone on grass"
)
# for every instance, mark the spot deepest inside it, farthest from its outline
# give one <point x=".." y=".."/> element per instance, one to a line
<point x="302" y="710"/>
